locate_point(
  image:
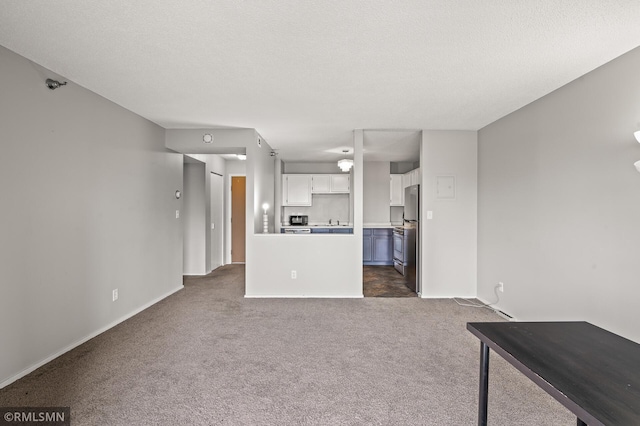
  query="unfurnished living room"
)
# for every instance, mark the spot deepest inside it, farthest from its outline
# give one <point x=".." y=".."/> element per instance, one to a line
<point x="319" y="213"/>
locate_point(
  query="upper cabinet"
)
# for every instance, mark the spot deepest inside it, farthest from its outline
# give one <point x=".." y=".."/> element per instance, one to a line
<point x="330" y="184"/>
<point x="397" y="190"/>
<point x="296" y="190"/>
<point x="340" y="183"/>
<point x="412" y="178"/>
<point x="321" y="184"/>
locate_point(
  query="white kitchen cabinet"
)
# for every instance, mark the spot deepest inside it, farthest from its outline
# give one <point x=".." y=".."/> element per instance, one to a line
<point x="321" y="184"/>
<point x="296" y="190"/>
<point x="330" y="184"/>
<point x="412" y="178"/>
<point x="396" y="190"/>
<point x="340" y="183"/>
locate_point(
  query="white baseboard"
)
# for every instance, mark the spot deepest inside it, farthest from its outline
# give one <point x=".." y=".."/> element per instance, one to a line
<point x="499" y="312"/>
<point x="298" y="296"/>
<point x="85" y="339"/>
<point x="427" y="296"/>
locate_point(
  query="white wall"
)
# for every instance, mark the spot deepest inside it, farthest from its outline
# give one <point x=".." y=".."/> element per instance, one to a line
<point x="449" y="240"/>
<point x="324" y="265"/>
<point x="311" y="167"/>
<point x="559" y="203"/>
<point x="236" y="168"/>
<point x="89" y="206"/>
<point x="377" y="193"/>
<point x="194" y="220"/>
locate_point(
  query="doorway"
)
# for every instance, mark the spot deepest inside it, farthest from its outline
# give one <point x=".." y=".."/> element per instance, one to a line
<point x="238" y="218"/>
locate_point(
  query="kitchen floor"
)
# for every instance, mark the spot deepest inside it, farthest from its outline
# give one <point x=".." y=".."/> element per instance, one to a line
<point x="384" y="281"/>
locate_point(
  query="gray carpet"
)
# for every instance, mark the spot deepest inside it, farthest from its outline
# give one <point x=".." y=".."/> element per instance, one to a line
<point x="206" y="356"/>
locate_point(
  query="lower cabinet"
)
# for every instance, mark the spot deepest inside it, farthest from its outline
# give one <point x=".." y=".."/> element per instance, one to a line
<point x="342" y="230"/>
<point x="377" y="246"/>
<point x="320" y="230"/>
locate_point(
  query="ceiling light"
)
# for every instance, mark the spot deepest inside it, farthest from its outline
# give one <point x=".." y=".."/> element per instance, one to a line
<point x="637" y="135"/>
<point x="241" y="156"/>
<point x="637" y="164"/>
<point x="207" y="138"/>
<point x="345" y="164"/>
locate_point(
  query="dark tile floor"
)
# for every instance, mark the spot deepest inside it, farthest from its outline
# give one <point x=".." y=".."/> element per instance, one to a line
<point x="384" y="281"/>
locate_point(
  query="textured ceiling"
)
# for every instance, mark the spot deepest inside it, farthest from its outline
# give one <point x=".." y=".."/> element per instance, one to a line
<point x="304" y="74"/>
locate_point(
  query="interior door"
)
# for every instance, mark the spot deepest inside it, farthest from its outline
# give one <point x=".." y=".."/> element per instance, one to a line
<point x="238" y="218"/>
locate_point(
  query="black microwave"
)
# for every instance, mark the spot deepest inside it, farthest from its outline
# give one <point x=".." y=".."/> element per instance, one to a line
<point x="299" y="220"/>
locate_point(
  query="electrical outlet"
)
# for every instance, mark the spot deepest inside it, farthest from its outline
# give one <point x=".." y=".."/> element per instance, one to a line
<point x="294" y="275"/>
<point x="114" y="295"/>
<point x="501" y="287"/>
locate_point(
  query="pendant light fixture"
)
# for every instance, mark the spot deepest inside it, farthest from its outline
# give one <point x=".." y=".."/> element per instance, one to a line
<point x="345" y="164"/>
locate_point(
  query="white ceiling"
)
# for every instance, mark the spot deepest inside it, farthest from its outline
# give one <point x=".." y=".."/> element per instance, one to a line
<point x="304" y="74"/>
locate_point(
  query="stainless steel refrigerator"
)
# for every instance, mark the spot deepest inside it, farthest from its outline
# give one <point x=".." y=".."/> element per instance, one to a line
<point x="412" y="234"/>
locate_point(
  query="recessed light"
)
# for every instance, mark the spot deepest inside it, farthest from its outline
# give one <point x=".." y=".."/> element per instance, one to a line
<point x="207" y="138"/>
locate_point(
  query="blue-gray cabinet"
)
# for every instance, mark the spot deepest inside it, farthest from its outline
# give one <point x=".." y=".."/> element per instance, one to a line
<point x="332" y="230"/>
<point x="320" y="230"/>
<point x="377" y="246"/>
<point x="342" y="230"/>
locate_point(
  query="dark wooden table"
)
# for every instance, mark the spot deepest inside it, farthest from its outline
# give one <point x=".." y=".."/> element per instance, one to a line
<point x="591" y="371"/>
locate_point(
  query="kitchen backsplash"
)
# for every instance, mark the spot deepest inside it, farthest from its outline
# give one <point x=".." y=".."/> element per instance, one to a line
<point x="325" y="206"/>
<point x="396" y="214"/>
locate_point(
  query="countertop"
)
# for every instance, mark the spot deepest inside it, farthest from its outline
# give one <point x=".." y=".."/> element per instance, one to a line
<point x="380" y="225"/>
<point x="314" y="225"/>
<point x="349" y="225"/>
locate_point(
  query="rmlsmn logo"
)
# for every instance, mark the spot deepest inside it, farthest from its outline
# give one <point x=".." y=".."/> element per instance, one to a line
<point x="44" y="416"/>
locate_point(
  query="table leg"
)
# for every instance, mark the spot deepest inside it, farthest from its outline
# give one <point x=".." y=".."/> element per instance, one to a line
<point x="581" y="423"/>
<point x="484" y="384"/>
